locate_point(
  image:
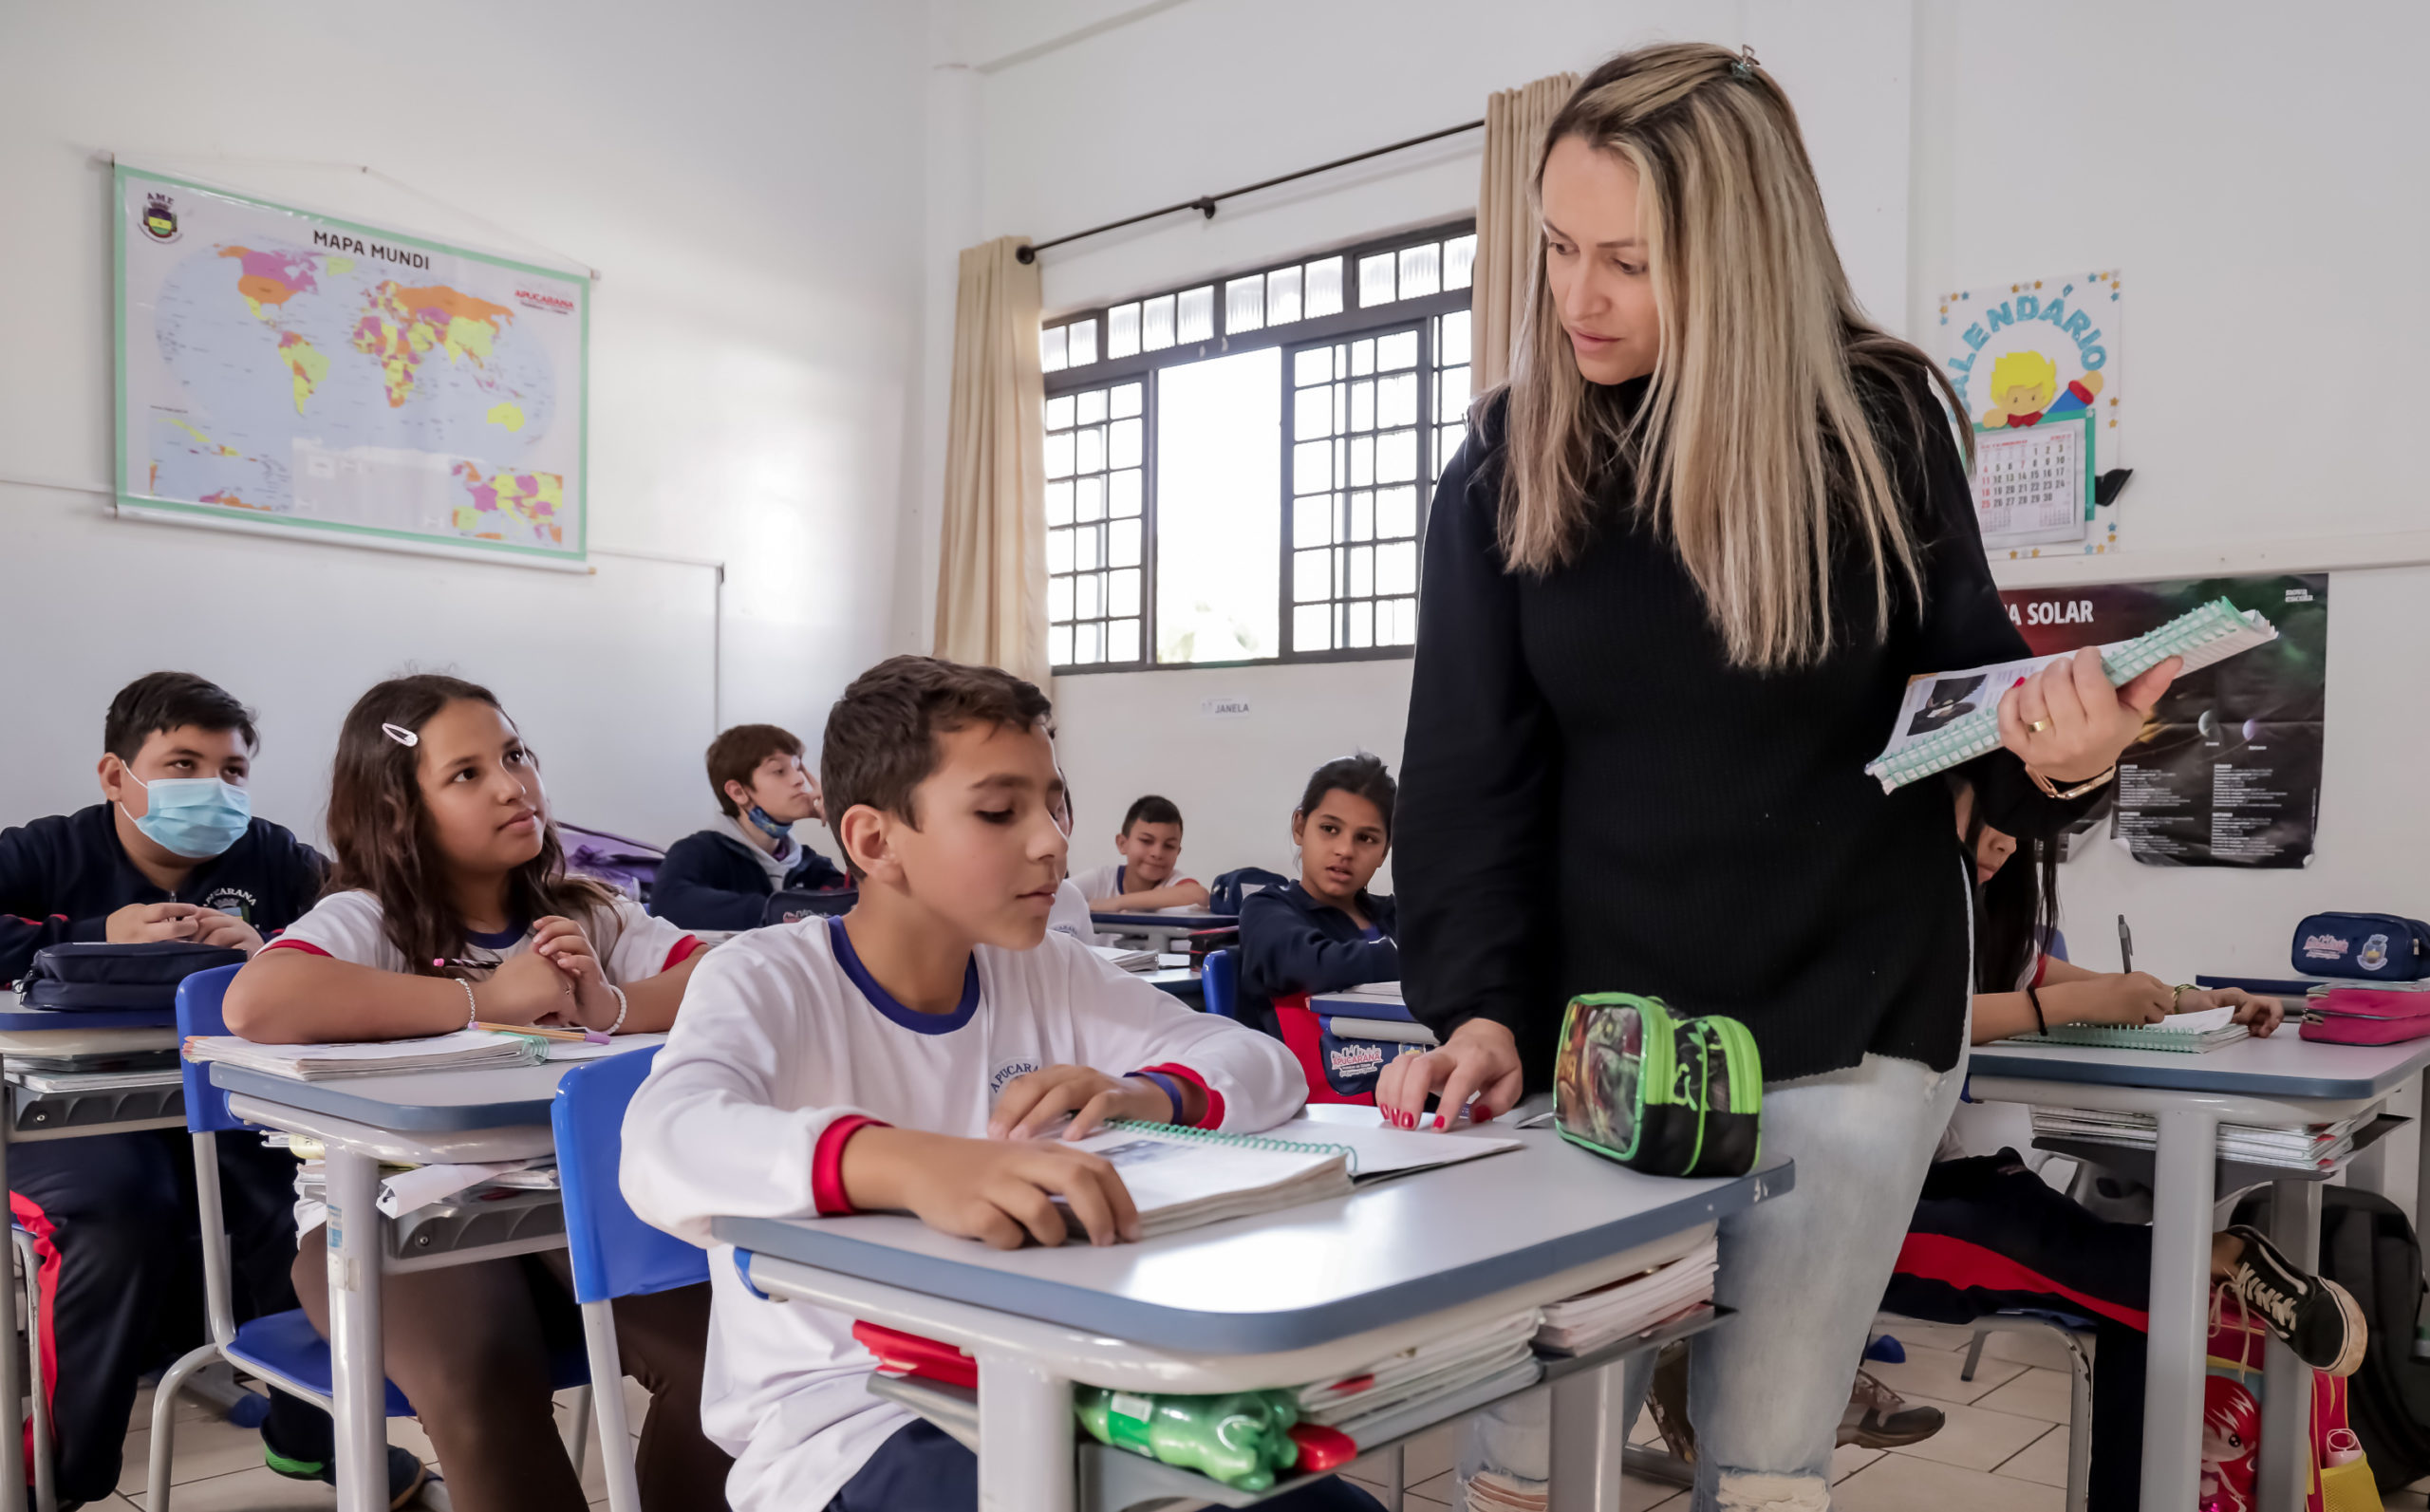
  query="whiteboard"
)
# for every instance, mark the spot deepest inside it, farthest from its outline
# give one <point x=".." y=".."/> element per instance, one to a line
<point x="612" y="675"/>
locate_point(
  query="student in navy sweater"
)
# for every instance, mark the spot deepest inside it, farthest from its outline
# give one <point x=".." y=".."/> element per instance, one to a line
<point x="1325" y="931"/>
<point x="173" y="853"/>
<point x="722" y="877"/>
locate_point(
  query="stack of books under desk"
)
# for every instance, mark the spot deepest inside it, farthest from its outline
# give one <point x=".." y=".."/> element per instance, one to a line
<point x="92" y="1088"/>
<point x="2250" y="1154"/>
<point x="1373" y="1011"/>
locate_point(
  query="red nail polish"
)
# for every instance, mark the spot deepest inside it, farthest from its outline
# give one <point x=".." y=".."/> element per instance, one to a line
<point x="1438" y="1121"/>
<point x="1484" y="1118"/>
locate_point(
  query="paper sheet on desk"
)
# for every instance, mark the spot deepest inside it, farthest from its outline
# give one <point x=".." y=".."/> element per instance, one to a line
<point x="422" y="1185"/>
<point x="585" y="1050"/>
<point x="2201" y="1023"/>
<point x="1389" y="1152"/>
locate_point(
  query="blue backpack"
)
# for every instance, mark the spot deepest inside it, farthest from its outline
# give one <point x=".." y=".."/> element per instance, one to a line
<point x="99" y="976"/>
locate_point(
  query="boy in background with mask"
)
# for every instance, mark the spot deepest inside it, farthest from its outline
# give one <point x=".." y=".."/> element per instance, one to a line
<point x="173" y="853"/>
<point x="722" y="877"/>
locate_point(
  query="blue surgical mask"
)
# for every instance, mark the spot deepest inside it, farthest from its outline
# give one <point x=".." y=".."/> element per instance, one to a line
<point x="194" y="817"/>
<point x="769" y="827"/>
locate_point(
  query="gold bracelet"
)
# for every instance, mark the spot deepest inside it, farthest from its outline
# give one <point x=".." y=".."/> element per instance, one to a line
<point x="2076" y="792"/>
<point x="2177" y="996"/>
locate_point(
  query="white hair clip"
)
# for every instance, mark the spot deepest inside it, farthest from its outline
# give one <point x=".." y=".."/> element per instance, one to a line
<point x="401" y="735"/>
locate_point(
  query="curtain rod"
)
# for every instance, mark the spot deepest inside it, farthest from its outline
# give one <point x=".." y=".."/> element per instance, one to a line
<point x="1204" y="204"/>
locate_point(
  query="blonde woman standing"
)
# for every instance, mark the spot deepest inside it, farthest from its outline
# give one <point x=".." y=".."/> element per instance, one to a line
<point x="1675" y="584"/>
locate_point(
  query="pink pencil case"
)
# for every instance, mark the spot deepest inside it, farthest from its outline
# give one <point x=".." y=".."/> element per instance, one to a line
<point x="2365" y="1015"/>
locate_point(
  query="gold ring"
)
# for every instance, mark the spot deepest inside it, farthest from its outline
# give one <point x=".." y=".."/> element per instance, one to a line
<point x="2037" y="727"/>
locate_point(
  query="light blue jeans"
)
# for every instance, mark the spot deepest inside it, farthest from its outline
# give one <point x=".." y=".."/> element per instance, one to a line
<point x="1806" y="1272"/>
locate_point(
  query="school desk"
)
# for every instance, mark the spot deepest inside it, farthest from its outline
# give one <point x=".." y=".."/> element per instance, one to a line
<point x="2279" y="1080"/>
<point x="1161" y="926"/>
<point x="1300" y="1295"/>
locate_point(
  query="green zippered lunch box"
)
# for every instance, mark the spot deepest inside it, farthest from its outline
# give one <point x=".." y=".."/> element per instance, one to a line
<point x="1658" y="1092"/>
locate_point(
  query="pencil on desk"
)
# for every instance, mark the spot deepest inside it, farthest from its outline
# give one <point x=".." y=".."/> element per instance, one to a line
<point x="577" y="1035"/>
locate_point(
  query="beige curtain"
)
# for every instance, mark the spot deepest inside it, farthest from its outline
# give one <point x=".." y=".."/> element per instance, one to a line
<point x="1515" y="122"/>
<point x="991" y="564"/>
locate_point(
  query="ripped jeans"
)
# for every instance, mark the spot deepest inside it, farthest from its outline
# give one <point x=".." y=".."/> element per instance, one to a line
<point x="1806" y="1272"/>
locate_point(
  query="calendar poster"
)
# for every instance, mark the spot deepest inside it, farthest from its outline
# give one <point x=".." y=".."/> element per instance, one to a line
<point x="2029" y="361"/>
<point x="2228" y="772"/>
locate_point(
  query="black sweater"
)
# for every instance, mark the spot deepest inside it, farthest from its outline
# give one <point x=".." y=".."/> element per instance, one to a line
<point x="1591" y="800"/>
<point x="61" y="878"/>
<point x="712" y="881"/>
<point x="1291" y="942"/>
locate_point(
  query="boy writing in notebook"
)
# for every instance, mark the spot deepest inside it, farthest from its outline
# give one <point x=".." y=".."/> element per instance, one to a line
<point x="1142" y="879"/>
<point x="916" y="1054"/>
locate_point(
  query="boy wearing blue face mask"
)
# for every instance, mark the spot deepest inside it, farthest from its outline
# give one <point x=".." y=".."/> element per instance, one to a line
<point x="171" y="854"/>
<point x="721" y="878"/>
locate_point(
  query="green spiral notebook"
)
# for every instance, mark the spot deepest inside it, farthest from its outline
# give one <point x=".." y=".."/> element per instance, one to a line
<point x="2187" y="1033"/>
<point x="1949" y="719"/>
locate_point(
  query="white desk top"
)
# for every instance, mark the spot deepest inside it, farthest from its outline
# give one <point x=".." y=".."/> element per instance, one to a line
<point x="1301" y="1276"/>
<point x="2280" y="1066"/>
<point x="413" y="1102"/>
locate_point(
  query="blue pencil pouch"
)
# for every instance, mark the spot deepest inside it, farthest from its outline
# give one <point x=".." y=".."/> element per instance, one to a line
<point x="98" y="977"/>
<point x="2366" y="946"/>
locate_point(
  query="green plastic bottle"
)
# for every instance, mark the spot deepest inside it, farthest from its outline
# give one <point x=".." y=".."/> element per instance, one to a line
<point x="1239" y="1438"/>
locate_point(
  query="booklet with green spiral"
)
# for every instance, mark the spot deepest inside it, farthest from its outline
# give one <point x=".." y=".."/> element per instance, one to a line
<point x="1949" y="719"/>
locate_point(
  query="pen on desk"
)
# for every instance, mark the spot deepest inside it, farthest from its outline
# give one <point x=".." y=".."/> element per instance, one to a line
<point x="577" y="1035"/>
<point x="2125" y="946"/>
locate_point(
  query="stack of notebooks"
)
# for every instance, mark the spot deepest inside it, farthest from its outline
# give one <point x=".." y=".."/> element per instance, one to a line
<point x="2188" y="1032"/>
<point x="1948" y="719"/>
<point x="1489" y="1360"/>
<point x="2296" y="1146"/>
<point x="102" y="1070"/>
<point x="1124" y="959"/>
<point x="464" y="1050"/>
<point x="1577" y="1325"/>
<point x="1180" y="1178"/>
<point x="1373" y="1011"/>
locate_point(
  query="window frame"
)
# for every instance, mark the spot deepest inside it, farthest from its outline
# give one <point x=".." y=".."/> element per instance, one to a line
<point x="1350" y="323"/>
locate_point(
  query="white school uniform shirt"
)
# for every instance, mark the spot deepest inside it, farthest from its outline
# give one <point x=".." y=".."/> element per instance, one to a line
<point x="352" y="926"/>
<point x="1105" y="882"/>
<point x="782" y="1035"/>
<point x="1069" y="914"/>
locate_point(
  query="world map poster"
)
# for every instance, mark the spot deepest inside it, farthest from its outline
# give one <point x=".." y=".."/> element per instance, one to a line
<point x="281" y="368"/>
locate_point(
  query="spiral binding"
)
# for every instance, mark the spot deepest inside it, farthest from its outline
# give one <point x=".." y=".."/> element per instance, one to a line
<point x="1208" y="1136"/>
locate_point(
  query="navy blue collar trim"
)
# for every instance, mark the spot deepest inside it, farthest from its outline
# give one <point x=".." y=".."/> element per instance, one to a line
<point x="883" y="1001"/>
<point x="503" y="939"/>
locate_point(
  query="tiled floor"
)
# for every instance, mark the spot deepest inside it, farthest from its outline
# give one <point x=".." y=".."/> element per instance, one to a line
<point x="218" y="1467"/>
<point x="2005" y="1449"/>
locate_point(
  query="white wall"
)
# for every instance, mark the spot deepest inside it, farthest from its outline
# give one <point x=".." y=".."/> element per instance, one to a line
<point x="2244" y="176"/>
<point x="1168" y="101"/>
<point x="749" y="183"/>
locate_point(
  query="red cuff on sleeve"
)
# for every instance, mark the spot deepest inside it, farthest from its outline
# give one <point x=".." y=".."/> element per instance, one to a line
<point x="683" y="951"/>
<point x="1214" y="1118"/>
<point x="2041" y="968"/>
<point x="826" y="1165"/>
<point x="282" y="943"/>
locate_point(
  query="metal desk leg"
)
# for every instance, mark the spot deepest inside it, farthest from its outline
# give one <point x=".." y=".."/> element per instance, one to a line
<point x="2422" y="1165"/>
<point x="13" y="1448"/>
<point x="358" y="1373"/>
<point x="1026" y="1460"/>
<point x="1589" y="1433"/>
<point x="2285" y="1409"/>
<point x="2181" y="1194"/>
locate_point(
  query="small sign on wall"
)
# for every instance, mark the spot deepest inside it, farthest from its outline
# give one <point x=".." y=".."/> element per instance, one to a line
<point x="1223" y="708"/>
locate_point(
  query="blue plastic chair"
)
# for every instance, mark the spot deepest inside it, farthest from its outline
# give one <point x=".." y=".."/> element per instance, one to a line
<point x="1221" y="978"/>
<point x="282" y="1349"/>
<point x="614" y="1253"/>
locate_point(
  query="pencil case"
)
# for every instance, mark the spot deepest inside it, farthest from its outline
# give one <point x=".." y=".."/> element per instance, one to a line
<point x="2368" y="946"/>
<point x="1660" y="1092"/>
<point x="95" y="976"/>
<point x="2362" y="1016"/>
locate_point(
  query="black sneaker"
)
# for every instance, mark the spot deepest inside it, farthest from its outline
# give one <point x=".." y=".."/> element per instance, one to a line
<point x="2311" y="1315"/>
<point x="406" y="1474"/>
<point x="1879" y="1418"/>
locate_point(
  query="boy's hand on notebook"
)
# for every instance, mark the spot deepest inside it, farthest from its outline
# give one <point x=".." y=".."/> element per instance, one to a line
<point x="1000" y="1193"/>
<point x="1031" y="1105"/>
<point x="2084" y="722"/>
<point x="1480" y="1057"/>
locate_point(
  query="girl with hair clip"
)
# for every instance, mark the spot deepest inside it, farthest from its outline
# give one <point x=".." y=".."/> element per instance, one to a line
<point x="1676" y="583"/>
<point x="1325" y="931"/>
<point x="450" y="904"/>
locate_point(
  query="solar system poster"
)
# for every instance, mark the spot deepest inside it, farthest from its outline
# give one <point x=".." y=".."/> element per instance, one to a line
<point x="2227" y="773"/>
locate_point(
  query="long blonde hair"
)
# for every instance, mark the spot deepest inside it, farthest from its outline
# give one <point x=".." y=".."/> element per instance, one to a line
<point x="1753" y="425"/>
